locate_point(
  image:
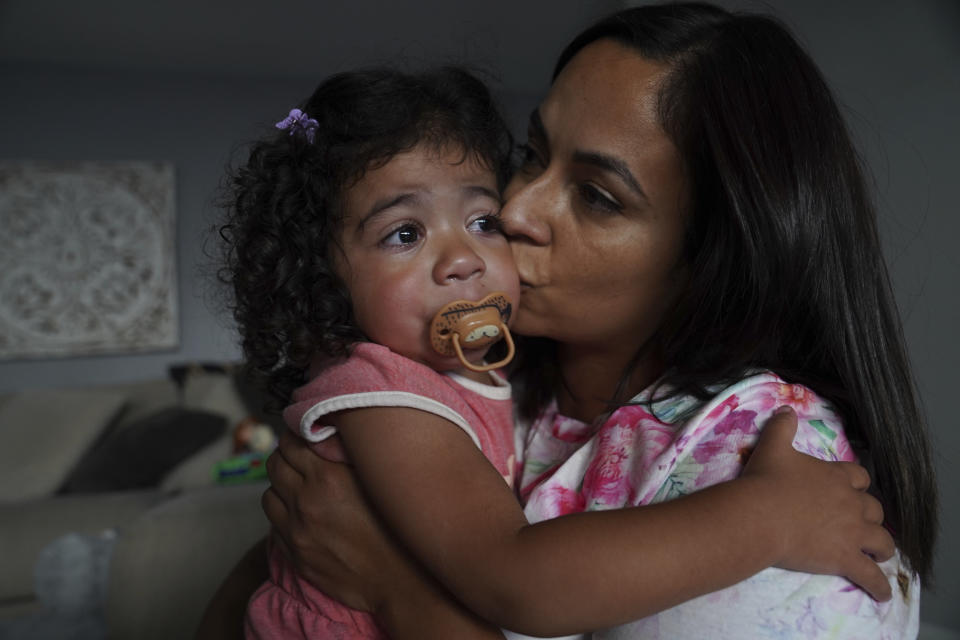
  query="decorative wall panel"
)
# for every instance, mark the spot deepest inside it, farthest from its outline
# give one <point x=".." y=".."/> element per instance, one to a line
<point x="87" y="259"/>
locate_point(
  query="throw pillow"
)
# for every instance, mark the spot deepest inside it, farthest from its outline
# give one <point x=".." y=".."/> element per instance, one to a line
<point x="45" y="433"/>
<point x="141" y="454"/>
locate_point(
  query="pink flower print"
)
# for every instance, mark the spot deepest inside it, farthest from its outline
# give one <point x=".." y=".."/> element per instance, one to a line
<point x="797" y="396"/>
<point x="552" y="501"/>
<point x="726" y="437"/>
<point x="841" y="447"/>
<point x="722" y="409"/>
<point x="823" y="438"/>
<point x="570" y="430"/>
<point x="545" y="453"/>
<point x="810" y="624"/>
<point x="550" y="441"/>
<point x="725" y="449"/>
<point x="649" y="437"/>
<point x="850" y="599"/>
<point x="606" y="482"/>
<point x="630" y="414"/>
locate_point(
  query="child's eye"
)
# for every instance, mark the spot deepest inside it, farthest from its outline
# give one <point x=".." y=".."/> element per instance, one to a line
<point x="407" y="234"/>
<point x="486" y="224"/>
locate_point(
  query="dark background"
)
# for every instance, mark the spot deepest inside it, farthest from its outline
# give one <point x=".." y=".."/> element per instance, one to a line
<point x="187" y="82"/>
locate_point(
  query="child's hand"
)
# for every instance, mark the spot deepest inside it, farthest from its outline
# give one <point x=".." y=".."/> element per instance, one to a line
<point x="830" y="524"/>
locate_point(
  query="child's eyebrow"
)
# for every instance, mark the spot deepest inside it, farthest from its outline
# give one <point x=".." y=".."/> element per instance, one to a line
<point x="408" y="198"/>
<point x="413" y="198"/>
<point x="481" y="191"/>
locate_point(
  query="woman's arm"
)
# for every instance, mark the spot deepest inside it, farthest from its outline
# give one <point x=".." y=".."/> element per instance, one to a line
<point x="223" y="617"/>
<point x="451" y="508"/>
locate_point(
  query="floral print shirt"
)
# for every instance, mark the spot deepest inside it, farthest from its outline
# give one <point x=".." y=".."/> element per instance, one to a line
<point x="654" y="451"/>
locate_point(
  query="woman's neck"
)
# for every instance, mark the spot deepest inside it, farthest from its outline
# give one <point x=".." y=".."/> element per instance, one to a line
<point x="590" y="378"/>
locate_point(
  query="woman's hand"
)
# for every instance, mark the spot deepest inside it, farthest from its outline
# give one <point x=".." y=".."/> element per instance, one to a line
<point x="328" y="530"/>
<point x="324" y="524"/>
<point x="830" y="524"/>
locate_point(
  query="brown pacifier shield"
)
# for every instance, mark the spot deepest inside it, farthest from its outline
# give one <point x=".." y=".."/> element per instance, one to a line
<point x="469" y="320"/>
<point x="465" y="316"/>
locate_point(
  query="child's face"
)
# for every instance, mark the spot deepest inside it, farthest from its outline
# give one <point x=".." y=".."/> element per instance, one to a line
<point x="419" y="232"/>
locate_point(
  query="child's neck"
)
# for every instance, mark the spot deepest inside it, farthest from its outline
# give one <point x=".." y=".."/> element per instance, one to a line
<point x="483" y="377"/>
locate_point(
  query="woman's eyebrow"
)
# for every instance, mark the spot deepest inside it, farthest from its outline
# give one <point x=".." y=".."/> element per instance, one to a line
<point x="537" y="131"/>
<point x="612" y="164"/>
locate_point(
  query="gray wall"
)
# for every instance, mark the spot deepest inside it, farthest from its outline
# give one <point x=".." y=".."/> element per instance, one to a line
<point x="194" y="122"/>
<point x="896" y="66"/>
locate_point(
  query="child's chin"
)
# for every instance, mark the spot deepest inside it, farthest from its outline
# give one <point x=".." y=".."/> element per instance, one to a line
<point x="441" y="363"/>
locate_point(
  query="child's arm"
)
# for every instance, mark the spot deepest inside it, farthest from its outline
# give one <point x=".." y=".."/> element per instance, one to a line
<point x="452" y="509"/>
<point x="327" y="529"/>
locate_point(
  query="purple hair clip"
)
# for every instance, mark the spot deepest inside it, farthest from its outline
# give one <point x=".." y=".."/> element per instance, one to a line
<point x="298" y="121"/>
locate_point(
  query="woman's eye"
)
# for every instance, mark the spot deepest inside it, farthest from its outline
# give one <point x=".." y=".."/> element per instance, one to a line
<point x="597" y="199"/>
<point x="407" y="234"/>
<point x="486" y="224"/>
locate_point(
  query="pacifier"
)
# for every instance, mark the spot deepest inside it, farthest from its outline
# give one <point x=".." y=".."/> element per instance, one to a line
<point x="465" y="324"/>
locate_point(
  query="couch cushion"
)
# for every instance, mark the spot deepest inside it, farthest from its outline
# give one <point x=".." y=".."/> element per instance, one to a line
<point x="44" y="435"/>
<point x="168" y="563"/>
<point x="27" y="527"/>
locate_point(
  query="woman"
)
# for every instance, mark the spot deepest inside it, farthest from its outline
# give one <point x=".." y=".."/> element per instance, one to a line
<point x="691" y="211"/>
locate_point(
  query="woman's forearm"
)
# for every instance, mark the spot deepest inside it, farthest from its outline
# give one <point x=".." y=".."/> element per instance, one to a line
<point x="223" y="617"/>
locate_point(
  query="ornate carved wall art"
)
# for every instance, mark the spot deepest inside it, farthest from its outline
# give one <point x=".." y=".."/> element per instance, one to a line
<point x="87" y="259"/>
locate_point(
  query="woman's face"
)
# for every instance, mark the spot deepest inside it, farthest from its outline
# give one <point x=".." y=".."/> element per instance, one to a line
<point x="595" y="216"/>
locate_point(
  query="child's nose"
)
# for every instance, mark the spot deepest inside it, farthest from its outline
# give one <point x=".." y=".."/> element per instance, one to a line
<point x="459" y="261"/>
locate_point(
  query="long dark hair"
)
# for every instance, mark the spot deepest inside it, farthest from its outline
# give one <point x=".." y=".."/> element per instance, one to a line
<point x="283" y="212"/>
<point x="786" y="269"/>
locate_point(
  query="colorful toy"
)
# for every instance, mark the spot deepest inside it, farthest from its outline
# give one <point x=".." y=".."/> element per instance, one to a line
<point x="252" y="436"/>
<point x="243" y="468"/>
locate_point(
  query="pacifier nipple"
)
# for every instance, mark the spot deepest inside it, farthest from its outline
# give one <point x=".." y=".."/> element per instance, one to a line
<point x="465" y="324"/>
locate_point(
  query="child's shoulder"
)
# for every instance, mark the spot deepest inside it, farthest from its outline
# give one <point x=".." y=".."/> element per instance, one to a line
<point x="368" y="366"/>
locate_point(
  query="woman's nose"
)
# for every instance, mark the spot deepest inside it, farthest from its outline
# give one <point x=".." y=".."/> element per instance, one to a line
<point x="523" y="214"/>
<point x="458" y="261"/>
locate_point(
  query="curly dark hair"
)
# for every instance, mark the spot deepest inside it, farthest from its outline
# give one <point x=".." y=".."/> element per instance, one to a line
<point x="283" y="209"/>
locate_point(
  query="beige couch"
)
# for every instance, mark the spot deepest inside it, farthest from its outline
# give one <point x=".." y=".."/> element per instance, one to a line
<point x="140" y="562"/>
